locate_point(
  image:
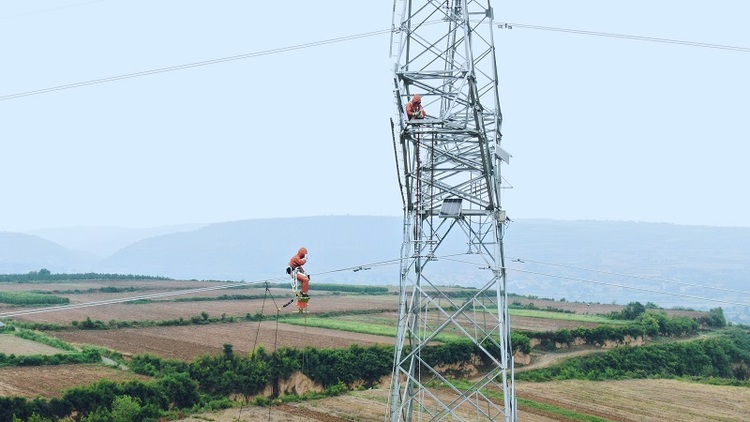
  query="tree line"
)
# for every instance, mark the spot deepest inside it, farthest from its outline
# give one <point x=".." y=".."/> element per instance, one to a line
<point x="725" y="357"/>
<point x="647" y="324"/>
<point x="46" y="275"/>
<point x="88" y="355"/>
<point x="208" y="381"/>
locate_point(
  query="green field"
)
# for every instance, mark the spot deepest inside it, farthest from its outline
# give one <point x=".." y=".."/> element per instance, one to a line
<point x="31" y="298"/>
<point x="596" y="319"/>
<point x="385" y="326"/>
<point x="355" y="326"/>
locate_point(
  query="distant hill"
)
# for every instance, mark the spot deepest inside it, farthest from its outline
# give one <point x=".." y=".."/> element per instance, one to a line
<point x="23" y="253"/>
<point x="104" y="241"/>
<point x="718" y="257"/>
<point x="256" y="249"/>
<point x="597" y="261"/>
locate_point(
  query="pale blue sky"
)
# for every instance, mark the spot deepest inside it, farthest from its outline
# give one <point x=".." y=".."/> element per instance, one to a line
<point x="599" y="128"/>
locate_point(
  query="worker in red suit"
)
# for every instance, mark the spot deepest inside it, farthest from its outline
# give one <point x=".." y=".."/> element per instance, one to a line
<point x="296" y="263"/>
<point x="414" y="108"/>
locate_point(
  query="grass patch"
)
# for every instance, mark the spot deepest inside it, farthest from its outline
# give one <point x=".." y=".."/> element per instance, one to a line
<point x="341" y="325"/>
<point x="43" y="339"/>
<point x="355" y="327"/>
<point x="548" y="408"/>
<point x="596" y="319"/>
<point x="31" y="298"/>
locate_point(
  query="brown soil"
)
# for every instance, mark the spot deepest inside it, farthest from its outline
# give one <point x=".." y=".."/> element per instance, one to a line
<point x="360" y="406"/>
<point x="188" y="342"/>
<point x="590" y="308"/>
<point x="164" y="310"/>
<point x="643" y="400"/>
<point x="51" y="381"/>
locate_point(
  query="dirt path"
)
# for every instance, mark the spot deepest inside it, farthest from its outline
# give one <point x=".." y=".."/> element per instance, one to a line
<point x="550" y="359"/>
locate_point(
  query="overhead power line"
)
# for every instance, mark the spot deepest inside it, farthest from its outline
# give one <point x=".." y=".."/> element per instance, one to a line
<point x="661" y="280"/>
<point x="128" y="299"/>
<point x="367" y="266"/>
<point x="586" y="280"/>
<point x="507" y="25"/>
<point x="192" y="65"/>
<point x="167" y="294"/>
<point x="337" y="40"/>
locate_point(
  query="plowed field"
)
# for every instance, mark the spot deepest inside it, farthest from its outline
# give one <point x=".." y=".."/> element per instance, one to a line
<point x="50" y="381"/>
<point x="643" y="400"/>
<point x="588" y="308"/>
<point x="165" y="310"/>
<point x="635" y="400"/>
<point x="361" y="406"/>
<point x="187" y="342"/>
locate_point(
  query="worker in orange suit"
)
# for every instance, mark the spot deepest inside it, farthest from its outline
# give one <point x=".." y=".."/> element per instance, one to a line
<point x="297" y="262"/>
<point x="414" y="108"/>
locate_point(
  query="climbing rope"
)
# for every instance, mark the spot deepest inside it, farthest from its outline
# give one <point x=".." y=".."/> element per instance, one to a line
<point x="276" y="329"/>
<point x="260" y="319"/>
<point x="304" y="365"/>
<point x="275" y="342"/>
<point x="257" y="334"/>
<point x="304" y="349"/>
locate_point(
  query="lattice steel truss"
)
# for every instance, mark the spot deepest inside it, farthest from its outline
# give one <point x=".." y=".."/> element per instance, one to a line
<point x="449" y="174"/>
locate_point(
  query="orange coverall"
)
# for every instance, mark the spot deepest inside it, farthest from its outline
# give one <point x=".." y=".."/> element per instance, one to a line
<point x="298" y="261"/>
<point x="414" y="108"/>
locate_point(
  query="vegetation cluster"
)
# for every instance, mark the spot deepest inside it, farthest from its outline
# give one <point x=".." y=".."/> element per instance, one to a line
<point x="46" y="276"/>
<point x="87" y="355"/>
<point x="648" y="324"/>
<point x="31" y="298"/>
<point x="725" y="357"/>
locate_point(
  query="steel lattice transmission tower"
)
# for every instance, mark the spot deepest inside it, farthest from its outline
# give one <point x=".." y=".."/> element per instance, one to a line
<point x="449" y="174"/>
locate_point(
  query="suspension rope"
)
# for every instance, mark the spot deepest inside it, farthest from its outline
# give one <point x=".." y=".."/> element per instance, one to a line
<point x="276" y="330"/>
<point x="275" y="343"/>
<point x="304" y="349"/>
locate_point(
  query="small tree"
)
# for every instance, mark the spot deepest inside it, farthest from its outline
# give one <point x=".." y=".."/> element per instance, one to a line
<point x="715" y="318"/>
<point x="632" y="311"/>
<point x="228" y="353"/>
